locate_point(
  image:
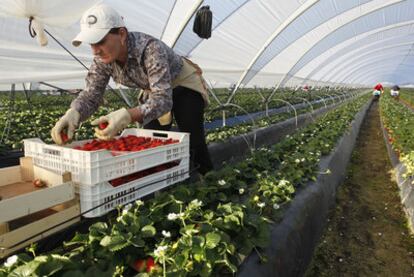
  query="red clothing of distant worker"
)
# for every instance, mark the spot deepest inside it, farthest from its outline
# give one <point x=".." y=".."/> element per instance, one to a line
<point x="378" y="87"/>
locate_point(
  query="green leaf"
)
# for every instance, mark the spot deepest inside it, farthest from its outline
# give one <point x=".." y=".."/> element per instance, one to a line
<point x="50" y="267"/>
<point x="212" y="255"/>
<point x="225" y="208"/>
<point x="25" y="270"/>
<point x="232" y="219"/>
<point x="209" y="215"/>
<point x="212" y="240"/>
<point x="148" y="231"/>
<point x="114" y="243"/>
<point x="206" y="269"/>
<point x="137" y="242"/>
<point x="77" y="239"/>
<point x="199" y="241"/>
<point x="221" y="197"/>
<point x="226" y="262"/>
<point x="246" y="248"/>
<point x="181" y="259"/>
<point x="100" y="227"/>
<point x="188" y="229"/>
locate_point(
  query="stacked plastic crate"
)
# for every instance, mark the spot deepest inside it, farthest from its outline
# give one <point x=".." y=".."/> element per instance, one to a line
<point x="105" y="180"/>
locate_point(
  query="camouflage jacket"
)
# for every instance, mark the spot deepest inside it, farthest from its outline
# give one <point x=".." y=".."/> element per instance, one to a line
<point x="151" y="66"/>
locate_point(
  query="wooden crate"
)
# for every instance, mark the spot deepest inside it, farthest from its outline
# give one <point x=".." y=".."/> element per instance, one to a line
<point x="28" y="213"/>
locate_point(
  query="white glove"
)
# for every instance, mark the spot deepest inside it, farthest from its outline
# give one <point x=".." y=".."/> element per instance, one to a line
<point x="68" y="122"/>
<point x="117" y="121"/>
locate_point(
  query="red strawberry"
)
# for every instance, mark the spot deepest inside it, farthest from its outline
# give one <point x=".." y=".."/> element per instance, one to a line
<point x="150" y="264"/>
<point x="64" y="136"/>
<point x="38" y="183"/>
<point x="103" y="125"/>
<point x="139" y="265"/>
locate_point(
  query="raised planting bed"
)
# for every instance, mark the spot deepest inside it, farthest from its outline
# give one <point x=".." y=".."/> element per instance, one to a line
<point x="397" y="123"/>
<point x="294" y="239"/>
<point x="236" y="147"/>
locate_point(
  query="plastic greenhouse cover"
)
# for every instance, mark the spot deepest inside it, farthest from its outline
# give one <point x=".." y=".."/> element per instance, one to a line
<point x="336" y="55"/>
<point x="254" y="43"/>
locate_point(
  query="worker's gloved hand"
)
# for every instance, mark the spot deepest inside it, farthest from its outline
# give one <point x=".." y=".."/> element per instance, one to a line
<point x="117" y="121"/>
<point x="66" y="124"/>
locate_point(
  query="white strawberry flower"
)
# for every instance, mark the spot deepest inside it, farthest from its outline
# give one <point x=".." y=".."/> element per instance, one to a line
<point x="160" y="251"/>
<point x="297" y="161"/>
<point x="196" y="203"/>
<point x="276" y="206"/>
<point x="174" y="216"/>
<point x="139" y="203"/>
<point x="241" y="191"/>
<point x="221" y="182"/>
<point x="166" y="234"/>
<point x="261" y="204"/>
<point x="126" y="209"/>
<point x="11" y="261"/>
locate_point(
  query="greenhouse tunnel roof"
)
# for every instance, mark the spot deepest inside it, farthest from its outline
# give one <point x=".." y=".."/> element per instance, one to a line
<point x="259" y="43"/>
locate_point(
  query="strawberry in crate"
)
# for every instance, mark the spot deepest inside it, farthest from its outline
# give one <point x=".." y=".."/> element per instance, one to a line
<point x="140" y="174"/>
<point x="124" y="144"/>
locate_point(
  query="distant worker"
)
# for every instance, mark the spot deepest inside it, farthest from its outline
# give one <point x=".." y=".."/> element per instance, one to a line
<point x="379" y="87"/>
<point x="395" y="92"/>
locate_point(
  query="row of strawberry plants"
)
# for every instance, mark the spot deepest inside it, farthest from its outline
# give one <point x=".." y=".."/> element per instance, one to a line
<point x="22" y="122"/>
<point x="226" y="132"/>
<point x="398" y="121"/>
<point x="253" y="101"/>
<point x="407" y="96"/>
<point x="246" y="98"/>
<point x="198" y="229"/>
<point x="38" y="123"/>
<point x="18" y="125"/>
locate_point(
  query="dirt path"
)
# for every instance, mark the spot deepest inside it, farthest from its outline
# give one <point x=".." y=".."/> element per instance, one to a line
<point x="367" y="234"/>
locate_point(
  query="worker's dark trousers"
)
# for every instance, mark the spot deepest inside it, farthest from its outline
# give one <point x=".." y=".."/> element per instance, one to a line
<point x="188" y="112"/>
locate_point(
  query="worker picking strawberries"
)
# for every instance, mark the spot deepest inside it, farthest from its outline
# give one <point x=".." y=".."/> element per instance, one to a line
<point x="173" y="86"/>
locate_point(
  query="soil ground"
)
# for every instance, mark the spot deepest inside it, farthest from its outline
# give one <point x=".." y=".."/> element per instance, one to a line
<point x="367" y="232"/>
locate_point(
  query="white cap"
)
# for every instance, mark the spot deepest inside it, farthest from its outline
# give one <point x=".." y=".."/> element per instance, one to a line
<point x="96" y="23"/>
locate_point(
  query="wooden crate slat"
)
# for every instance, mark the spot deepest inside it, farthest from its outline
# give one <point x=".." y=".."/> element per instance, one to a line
<point x="10" y="175"/>
<point x="35" y="201"/>
<point x="15" y="236"/>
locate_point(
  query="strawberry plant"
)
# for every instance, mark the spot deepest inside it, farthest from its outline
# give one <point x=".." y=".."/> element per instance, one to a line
<point x="398" y="123"/>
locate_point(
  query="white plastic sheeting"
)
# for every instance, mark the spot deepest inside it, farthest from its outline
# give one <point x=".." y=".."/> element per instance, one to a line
<point x="262" y="43"/>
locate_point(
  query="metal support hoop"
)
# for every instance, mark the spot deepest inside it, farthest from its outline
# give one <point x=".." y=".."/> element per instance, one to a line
<point x="226" y="105"/>
<point x="284" y="101"/>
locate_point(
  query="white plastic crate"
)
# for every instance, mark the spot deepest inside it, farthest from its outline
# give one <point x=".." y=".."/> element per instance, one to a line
<point x="92" y="167"/>
<point x="93" y="196"/>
